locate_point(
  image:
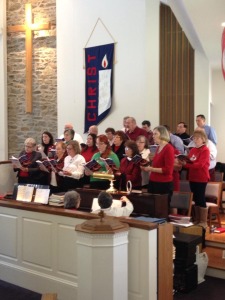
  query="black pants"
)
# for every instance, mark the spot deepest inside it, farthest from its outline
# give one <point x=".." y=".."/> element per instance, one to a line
<point x="71" y="183"/>
<point x="198" y="190"/>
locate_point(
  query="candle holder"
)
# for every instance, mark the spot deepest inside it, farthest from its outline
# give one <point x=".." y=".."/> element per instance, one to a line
<point x="110" y="177"/>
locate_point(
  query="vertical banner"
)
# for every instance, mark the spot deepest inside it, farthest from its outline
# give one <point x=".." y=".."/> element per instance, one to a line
<point x="98" y="90"/>
<point x="223" y="53"/>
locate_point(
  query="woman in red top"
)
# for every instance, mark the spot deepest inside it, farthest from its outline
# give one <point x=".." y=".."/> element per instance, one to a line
<point x="128" y="169"/>
<point x="90" y="148"/>
<point x="161" y="170"/>
<point x="199" y="175"/>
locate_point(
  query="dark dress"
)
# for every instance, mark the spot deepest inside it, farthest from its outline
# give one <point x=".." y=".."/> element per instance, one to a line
<point x="34" y="174"/>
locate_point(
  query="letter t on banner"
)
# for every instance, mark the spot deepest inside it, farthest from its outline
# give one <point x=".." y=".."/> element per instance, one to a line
<point x="99" y="82"/>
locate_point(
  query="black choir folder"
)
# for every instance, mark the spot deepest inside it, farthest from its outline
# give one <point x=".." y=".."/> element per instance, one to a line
<point x="184" y="157"/>
<point x="31" y="193"/>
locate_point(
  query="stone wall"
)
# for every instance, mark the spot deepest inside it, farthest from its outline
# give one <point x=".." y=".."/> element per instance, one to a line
<point x="44" y="79"/>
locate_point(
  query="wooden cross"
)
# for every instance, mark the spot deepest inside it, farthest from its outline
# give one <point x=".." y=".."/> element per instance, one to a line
<point x="28" y="28"/>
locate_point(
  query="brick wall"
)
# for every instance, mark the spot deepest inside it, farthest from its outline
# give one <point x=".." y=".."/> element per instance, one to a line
<point x="44" y="97"/>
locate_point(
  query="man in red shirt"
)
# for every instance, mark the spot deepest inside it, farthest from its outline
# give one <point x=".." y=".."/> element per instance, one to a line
<point x="133" y="131"/>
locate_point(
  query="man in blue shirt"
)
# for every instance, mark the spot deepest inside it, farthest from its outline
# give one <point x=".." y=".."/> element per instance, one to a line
<point x="210" y="131"/>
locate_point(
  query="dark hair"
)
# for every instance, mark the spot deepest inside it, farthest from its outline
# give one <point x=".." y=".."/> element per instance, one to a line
<point x="201" y="116"/>
<point x="185" y="125"/>
<point x="94" y="147"/>
<point x="133" y="146"/>
<point x="146" y="122"/>
<point x="71" y="199"/>
<point x="51" y="141"/>
<point x="105" y="200"/>
<point x="140" y="137"/>
<point x="122" y="135"/>
<point x="71" y="132"/>
<point x="103" y="139"/>
<point x="110" y="129"/>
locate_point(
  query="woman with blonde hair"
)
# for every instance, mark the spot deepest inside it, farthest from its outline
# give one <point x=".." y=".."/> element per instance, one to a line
<point x="73" y="169"/>
<point x="161" y="170"/>
<point x="198" y="175"/>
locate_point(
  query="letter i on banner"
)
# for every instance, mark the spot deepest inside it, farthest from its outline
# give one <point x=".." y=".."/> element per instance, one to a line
<point x="98" y="90"/>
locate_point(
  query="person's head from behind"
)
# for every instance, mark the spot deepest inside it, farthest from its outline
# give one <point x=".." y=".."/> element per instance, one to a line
<point x="105" y="200"/>
<point x="71" y="199"/>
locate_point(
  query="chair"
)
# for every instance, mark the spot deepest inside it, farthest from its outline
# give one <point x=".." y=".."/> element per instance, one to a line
<point x="213" y="195"/>
<point x="182" y="201"/>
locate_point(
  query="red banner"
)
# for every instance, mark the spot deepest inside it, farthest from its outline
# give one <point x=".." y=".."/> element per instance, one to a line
<point x="223" y="53"/>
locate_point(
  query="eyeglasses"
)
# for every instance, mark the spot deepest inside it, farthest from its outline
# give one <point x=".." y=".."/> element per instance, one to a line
<point x="27" y="146"/>
<point x="69" y="148"/>
<point x="127" y="149"/>
<point x="139" y="142"/>
<point x="100" y="144"/>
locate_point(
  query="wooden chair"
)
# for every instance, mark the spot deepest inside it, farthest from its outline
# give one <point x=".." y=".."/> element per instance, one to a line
<point x="182" y="201"/>
<point x="213" y="198"/>
<point x="214" y="201"/>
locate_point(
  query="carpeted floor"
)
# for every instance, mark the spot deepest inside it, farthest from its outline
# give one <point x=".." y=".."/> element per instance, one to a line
<point x="212" y="289"/>
<point x="12" y="292"/>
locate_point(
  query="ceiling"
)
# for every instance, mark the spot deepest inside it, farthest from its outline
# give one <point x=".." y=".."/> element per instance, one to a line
<point x="201" y="21"/>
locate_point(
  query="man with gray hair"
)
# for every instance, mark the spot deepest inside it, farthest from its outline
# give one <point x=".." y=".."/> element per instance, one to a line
<point x="133" y="131"/>
<point x="72" y="200"/>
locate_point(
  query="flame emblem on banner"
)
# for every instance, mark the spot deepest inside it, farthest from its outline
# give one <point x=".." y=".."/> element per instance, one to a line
<point x="105" y="62"/>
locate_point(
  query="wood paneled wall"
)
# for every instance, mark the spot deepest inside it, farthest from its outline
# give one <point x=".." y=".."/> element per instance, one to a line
<point x="176" y="73"/>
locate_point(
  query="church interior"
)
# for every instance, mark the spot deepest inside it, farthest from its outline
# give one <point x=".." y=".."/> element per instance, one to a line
<point x="167" y="67"/>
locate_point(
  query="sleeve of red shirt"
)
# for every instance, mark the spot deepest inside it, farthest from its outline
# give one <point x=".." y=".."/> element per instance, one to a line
<point x="169" y="160"/>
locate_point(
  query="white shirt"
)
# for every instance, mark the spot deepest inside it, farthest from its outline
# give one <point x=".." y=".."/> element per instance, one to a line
<point x="75" y="165"/>
<point x="124" y="211"/>
<point x="77" y="137"/>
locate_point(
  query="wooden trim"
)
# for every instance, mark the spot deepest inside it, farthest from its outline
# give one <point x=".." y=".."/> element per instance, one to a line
<point x="49" y="297"/>
<point x="46" y="209"/>
<point x="176" y="73"/>
<point x="165" y="262"/>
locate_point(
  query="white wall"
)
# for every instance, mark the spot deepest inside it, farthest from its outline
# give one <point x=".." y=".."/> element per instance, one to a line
<point x="134" y="25"/>
<point x="3" y="88"/>
<point x="202" y="82"/>
<point x="218" y="111"/>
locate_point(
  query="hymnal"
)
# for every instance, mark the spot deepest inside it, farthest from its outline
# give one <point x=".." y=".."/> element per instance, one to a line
<point x="41" y="196"/>
<point x="183" y="157"/>
<point x="46" y="163"/>
<point x="92" y="165"/>
<point x="18" y="161"/>
<point x="136" y="159"/>
<point x="219" y="230"/>
<point x="25" y="193"/>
